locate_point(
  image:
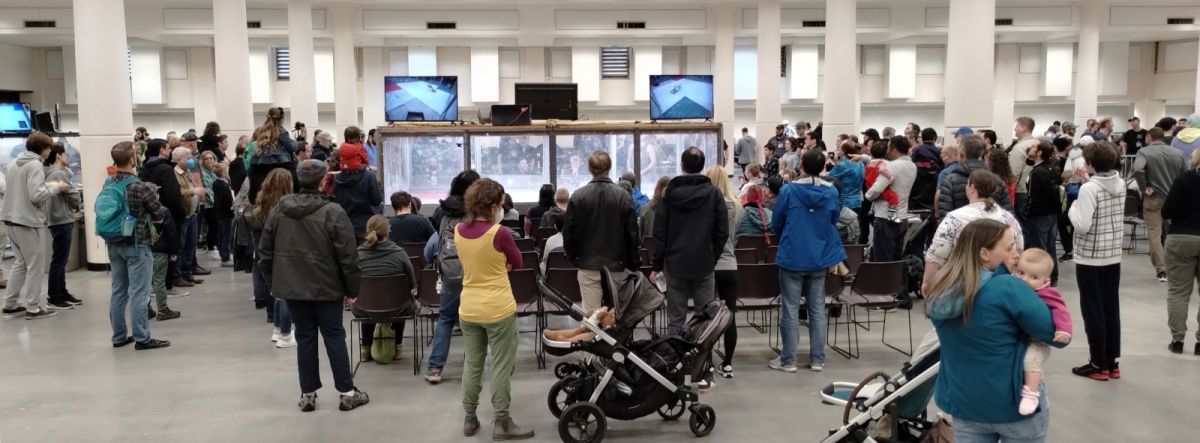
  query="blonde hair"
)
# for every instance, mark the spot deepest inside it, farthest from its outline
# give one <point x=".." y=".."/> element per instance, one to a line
<point x="962" y="269"/>
<point x="716" y="173"/>
<point x="1038" y="258"/>
<point x="221" y="170"/>
<point x="377" y="230"/>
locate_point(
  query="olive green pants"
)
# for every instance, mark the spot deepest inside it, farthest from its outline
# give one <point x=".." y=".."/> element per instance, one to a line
<point x="501" y="339"/>
<point x="161" y="261"/>
<point x="1183" y="268"/>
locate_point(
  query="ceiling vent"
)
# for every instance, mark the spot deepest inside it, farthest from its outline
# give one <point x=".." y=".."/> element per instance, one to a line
<point x="812" y="24"/>
<point x="631" y="25"/>
<point x="441" y="25"/>
<point x="1180" y="20"/>
<point x="1004" y="22"/>
<point x="41" y="24"/>
<point x="254" y="24"/>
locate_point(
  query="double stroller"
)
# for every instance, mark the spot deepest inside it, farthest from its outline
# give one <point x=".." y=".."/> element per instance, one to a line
<point x="890" y="408"/>
<point x="625" y="378"/>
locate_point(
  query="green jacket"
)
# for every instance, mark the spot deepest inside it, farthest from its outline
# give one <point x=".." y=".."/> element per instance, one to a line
<point x="308" y="251"/>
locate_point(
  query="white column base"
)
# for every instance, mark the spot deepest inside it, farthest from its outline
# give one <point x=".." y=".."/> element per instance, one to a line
<point x="95" y="158"/>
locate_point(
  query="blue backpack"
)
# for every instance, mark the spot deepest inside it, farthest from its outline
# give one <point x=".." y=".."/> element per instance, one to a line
<point x="113" y="221"/>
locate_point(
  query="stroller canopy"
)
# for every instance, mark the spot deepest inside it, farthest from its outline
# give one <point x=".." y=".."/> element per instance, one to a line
<point x="630" y="296"/>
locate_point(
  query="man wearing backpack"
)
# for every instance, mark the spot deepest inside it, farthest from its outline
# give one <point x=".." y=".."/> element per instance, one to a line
<point x="24" y="217"/>
<point x="125" y="210"/>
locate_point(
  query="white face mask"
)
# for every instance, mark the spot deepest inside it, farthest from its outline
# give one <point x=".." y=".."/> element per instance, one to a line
<point x="499" y="215"/>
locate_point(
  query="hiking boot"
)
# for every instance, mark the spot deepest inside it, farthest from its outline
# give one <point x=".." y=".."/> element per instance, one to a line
<point x="470" y="425"/>
<point x="181" y="283"/>
<point x="14" y="312"/>
<point x="508" y="430"/>
<point x="364" y="353"/>
<point x="1091" y="371"/>
<point x="167" y="314"/>
<point x="1176" y="347"/>
<point x="44" y="313"/>
<point x="308" y="402"/>
<point x="434" y="376"/>
<point x="354" y="400"/>
<point x="200" y="271"/>
<point x="151" y="344"/>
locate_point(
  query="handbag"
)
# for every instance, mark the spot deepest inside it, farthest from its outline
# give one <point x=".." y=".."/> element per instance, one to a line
<point x="942" y="432"/>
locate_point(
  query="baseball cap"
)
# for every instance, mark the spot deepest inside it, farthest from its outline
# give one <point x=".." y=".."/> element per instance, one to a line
<point x="871" y="133"/>
<point x="963" y="131"/>
<point x="1134" y="118"/>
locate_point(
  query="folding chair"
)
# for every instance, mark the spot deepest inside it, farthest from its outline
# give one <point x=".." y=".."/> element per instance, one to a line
<point x="772" y="251"/>
<point x="385" y="300"/>
<point x="515" y="225"/>
<point x="429" y="306"/>
<point x="529" y="260"/>
<point x="758" y="295"/>
<point x="883" y="290"/>
<point x="748" y="256"/>
<point x="559" y="260"/>
<point x="414" y="249"/>
<point x="525" y="291"/>
<point x="757" y="242"/>
<point x="524" y="244"/>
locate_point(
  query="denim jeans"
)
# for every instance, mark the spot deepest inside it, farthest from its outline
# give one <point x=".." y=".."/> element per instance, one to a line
<point x="186" y="262"/>
<point x="1029" y="430"/>
<point x="326" y="317"/>
<point x="56" y="288"/>
<point x="447" y="318"/>
<point x="793" y="285"/>
<point x="283" y="317"/>
<point x="132" y="266"/>
<point x="224" y="228"/>
<point x="1043" y="231"/>
<point x="679" y="291"/>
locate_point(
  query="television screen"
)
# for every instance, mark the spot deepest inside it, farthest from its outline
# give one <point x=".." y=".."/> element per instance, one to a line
<point x="547" y="101"/>
<point x="421" y="98"/>
<point x="674" y="97"/>
<point x="14" y="117"/>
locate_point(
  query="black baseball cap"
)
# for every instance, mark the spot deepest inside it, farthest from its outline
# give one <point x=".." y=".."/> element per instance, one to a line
<point x="871" y="133"/>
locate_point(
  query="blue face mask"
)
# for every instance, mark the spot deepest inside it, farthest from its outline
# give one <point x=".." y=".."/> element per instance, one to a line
<point x="190" y="163"/>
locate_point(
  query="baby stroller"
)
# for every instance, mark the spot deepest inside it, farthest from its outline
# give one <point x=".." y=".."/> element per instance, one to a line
<point x="623" y="378"/>
<point x="892" y="409"/>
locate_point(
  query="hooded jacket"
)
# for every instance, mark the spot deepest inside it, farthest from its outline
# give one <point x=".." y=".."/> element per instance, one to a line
<point x="1098" y="215"/>
<point x="358" y="193"/>
<point x="61" y="209"/>
<point x="384" y="259"/>
<point x="953" y="190"/>
<point x="1187" y="140"/>
<point x="168" y="241"/>
<point x="928" y="160"/>
<point x="752" y="222"/>
<point x="162" y="173"/>
<point x="26" y="192"/>
<point x="690" y="227"/>
<point x="805" y="218"/>
<point x="308" y="251"/>
<point x="600" y="229"/>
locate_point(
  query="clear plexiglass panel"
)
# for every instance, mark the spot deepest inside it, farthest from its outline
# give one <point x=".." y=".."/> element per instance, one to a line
<point x="521" y="163"/>
<point x="661" y="152"/>
<point x="422" y="165"/>
<point x="573" y="152"/>
<point x="12" y="147"/>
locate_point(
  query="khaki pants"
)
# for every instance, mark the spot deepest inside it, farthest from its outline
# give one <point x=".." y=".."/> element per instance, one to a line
<point x="589" y="289"/>
<point x="500" y="338"/>
<point x="1183" y="255"/>
<point x="1152" y="208"/>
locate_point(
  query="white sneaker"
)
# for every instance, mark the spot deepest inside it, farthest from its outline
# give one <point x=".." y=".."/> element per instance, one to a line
<point x="275" y="335"/>
<point x="286" y="341"/>
<point x="816" y="367"/>
<point x="214" y="254"/>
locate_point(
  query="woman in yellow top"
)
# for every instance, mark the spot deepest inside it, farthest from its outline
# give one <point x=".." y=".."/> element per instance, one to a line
<point x="488" y="309"/>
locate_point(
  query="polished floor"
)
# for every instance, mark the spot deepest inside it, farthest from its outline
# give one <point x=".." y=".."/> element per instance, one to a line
<point x="222" y="380"/>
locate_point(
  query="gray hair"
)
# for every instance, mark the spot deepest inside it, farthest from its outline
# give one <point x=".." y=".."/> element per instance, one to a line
<point x="325" y="137"/>
<point x="179" y="153"/>
<point x="310" y="173"/>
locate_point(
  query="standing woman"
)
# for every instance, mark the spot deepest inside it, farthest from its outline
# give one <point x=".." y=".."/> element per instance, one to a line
<point x="1097" y="215"/>
<point x="211" y="141"/>
<point x="725" y="272"/>
<point x="984" y="318"/>
<point x="646" y="218"/>
<point x="997" y="161"/>
<point x="208" y="175"/>
<point x="60" y="217"/>
<point x="273" y="149"/>
<point x="487" y="311"/>
<point x="1044" y="203"/>
<point x="1183" y="251"/>
<point x="277" y="185"/>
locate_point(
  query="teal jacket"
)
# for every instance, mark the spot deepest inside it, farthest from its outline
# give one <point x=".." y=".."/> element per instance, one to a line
<point x="982" y="361"/>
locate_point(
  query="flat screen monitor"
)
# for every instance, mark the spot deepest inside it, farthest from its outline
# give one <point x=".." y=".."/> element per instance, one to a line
<point x="559" y="101"/>
<point x="420" y="98"/>
<point x="678" y="97"/>
<point x="14" y="117"/>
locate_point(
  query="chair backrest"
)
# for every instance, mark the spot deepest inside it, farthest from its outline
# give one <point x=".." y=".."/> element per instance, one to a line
<point x="525" y="290"/>
<point x="535" y="222"/>
<point x="1133" y="204"/>
<point x="524" y="244"/>
<point x="648" y="246"/>
<point x="515" y="225"/>
<point x="855" y="256"/>
<point x="384" y="295"/>
<point x="559" y="260"/>
<point x="834" y="285"/>
<point x="418" y="262"/>
<point x="880" y="278"/>
<point x="427" y="288"/>
<point x="757" y="242"/>
<point x="529" y="260"/>
<point x="746" y="256"/>
<point x="566" y="282"/>
<point x="541" y="234"/>
<point x="414" y="249"/>
<point x="759" y="281"/>
<point x="772" y="251"/>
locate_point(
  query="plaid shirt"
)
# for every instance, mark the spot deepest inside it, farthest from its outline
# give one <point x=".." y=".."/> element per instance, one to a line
<point x="143" y="203"/>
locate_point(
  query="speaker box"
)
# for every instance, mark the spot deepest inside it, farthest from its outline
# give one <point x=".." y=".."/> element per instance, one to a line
<point x="511" y="115"/>
<point x="44" y="122"/>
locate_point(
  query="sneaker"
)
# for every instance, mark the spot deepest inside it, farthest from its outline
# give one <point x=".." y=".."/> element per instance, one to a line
<point x="214" y="254"/>
<point x="275" y="335"/>
<point x="508" y="430"/>
<point x="14" y="312"/>
<point x="44" y="313"/>
<point x="200" y="271"/>
<point x="194" y="280"/>
<point x="72" y="300"/>
<point x="354" y="400"/>
<point x="167" y="314"/>
<point x="308" y="402"/>
<point x="470" y="425"/>
<point x="1162" y="277"/>
<point x="1029" y="401"/>
<point x="181" y="283"/>
<point x="1066" y="257"/>
<point x="1176" y="347"/>
<point x="816" y="367"/>
<point x="779" y="365"/>
<point x="286" y="341"/>
<point x="150" y="312"/>
<point x="434" y="376"/>
<point x="1115" y="372"/>
<point x="123" y="343"/>
<point x="227" y="264"/>
<point x="705" y="385"/>
<point x="1091" y="371"/>
<point x="726" y="370"/>
<point x="176" y="293"/>
<point x="151" y="344"/>
<point x="59" y="305"/>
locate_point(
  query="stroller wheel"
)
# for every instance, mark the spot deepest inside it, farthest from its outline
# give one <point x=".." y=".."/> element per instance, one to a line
<point x="672" y="410"/>
<point x="703" y="420"/>
<point x="564" y="393"/>
<point x="582" y="423"/>
<point x="563" y="369"/>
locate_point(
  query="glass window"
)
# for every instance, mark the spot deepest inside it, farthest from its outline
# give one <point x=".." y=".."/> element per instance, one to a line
<point x="573" y="152"/>
<point x="661" y="152"/>
<point x="518" y="162"/>
<point x="420" y="164"/>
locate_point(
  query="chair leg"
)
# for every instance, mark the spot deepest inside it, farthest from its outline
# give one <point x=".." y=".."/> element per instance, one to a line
<point x="884" y="338"/>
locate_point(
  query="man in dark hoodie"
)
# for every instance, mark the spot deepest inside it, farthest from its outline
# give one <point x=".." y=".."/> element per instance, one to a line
<point x="356" y="188"/>
<point x="159" y="170"/>
<point x="690" y="231"/>
<point x="928" y="159"/>
<point x="451" y="211"/>
<point x="600" y="230"/>
<point x="952" y="194"/>
<point x="309" y="255"/>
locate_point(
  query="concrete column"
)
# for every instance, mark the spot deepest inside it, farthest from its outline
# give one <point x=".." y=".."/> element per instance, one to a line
<point x="839" y="96"/>
<point x="970" y="58"/>
<point x="374" y="69"/>
<point x="105" y="105"/>
<point x="303" y="81"/>
<point x="1087" y="76"/>
<point x="1008" y="63"/>
<point x="231" y="45"/>
<point x="723" y="102"/>
<point x="767" y="109"/>
<point x="345" y="76"/>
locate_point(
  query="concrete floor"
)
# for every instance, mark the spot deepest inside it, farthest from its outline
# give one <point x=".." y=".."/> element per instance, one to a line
<point x="222" y="380"/>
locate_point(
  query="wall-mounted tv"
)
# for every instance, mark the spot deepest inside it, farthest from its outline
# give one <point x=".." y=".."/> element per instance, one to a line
<point x="420" y="98"/>
<point x="677" y="97"/>
<point x="14" y="117"/>
<point x="559" y="101"/>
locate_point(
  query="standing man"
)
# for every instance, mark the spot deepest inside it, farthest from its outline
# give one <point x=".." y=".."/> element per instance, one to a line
<point x="743" y="152"/>
<point x="777" y="143"/>
<point x="159" y="170"/>
<point x="887" y="238"/>
<point x="870" y="136"/>
<point x="1155" y="169"/>
<point x="316" y="285"/>
<point x="1044" y="203"/>
<point x="1017" y="154"/>
<point x="129" y="257"/>
<point x="928" y="159"/>
<point x="60" y="216"/>
<point x="24" y="216"/>
<point x="600" y="230"/>
<point x="191" y="194"/>
<point x="952" y="192"/>
<point x="1134" y="139"/>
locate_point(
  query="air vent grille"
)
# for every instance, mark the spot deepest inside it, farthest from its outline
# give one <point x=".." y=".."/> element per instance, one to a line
<point x="631" y="25"/>
<point x="441" y="25"/>
<point x="1004" y="22"/>
<point x="41" y="24"/>
<point x="254" y="24"/>
<point x="812" y="24"/>
<point x="1181" y="20"/>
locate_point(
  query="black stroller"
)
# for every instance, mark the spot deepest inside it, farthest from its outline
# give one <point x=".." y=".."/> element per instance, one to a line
<point x="624" y="378"/>
<point x="891" y="409"/>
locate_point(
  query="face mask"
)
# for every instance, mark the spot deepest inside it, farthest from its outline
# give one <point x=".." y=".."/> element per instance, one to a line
<point x="1029" y="162"/>
<point x="190" y="163"/>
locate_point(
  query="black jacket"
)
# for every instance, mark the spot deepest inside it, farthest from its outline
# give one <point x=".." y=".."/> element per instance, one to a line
<point x="223" y="200"/>
<point x="358" y="193"/>
<point x="237" y="174"/>
<point x="690" y="227"/>
<point x="168" y="236"/>
<point x="259" y="171"/>
<point x="1044" y="197"/>
<point x="928" y="160"/>
<point x="307" y="251"/>
<point x="954" y="188"/>
<point x="600" y="228"/>
<point x="211" y="143"/>
<point x="320" y="153"/>
<point x="162" y="173"/>
<point x="1185" y="218"/>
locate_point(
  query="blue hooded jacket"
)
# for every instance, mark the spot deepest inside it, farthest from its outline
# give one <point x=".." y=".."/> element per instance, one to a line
<point x="805" y="218"/>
